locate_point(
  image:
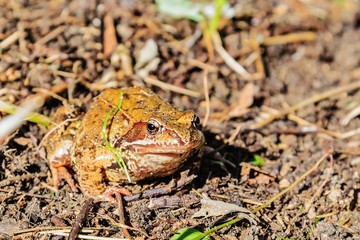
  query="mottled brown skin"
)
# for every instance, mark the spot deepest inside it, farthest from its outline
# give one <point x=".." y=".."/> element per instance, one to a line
<point x="154" y="139"/>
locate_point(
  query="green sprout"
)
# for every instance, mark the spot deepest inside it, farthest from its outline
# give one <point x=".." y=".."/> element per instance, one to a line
<point x="114" y="151"/>
<point x="257" y="160"/>
<point x="214" y="21"/>
<point x="208" y="14"/>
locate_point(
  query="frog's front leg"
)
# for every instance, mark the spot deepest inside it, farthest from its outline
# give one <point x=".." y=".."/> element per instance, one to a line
<point x="60" y="161"/>
<point x="93" y="183"/>
<point x="58" y="144"/>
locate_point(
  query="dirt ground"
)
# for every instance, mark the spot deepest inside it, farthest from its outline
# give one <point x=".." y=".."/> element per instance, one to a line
<point x="298" y="100"/>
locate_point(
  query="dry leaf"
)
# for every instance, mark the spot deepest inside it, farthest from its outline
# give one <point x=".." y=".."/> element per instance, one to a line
<point x="211" y="208"/>
<point x="253" y="175"/>
<point x="147" y="53"/>
<point x="245" y="100"/>
<point x="23" y="141"/>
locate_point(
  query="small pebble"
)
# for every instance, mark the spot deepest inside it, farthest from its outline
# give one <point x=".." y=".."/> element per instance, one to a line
<point x="334" y="195"/>
<point x="284" y="183"/>
<point x="355" y="161"/>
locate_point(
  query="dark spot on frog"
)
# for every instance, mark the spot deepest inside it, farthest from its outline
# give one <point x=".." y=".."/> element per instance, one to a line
<point x="126" y="96"/>
<point x="113" y="166"/>
<point x="78" y="154"/>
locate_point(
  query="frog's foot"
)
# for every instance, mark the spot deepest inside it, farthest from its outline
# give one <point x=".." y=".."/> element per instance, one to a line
<point x="60" y="172"/>
<point x="107" y="195"/>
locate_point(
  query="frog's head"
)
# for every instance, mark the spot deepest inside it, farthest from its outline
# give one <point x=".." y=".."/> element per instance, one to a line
<point x="154" y="138"/>
<point x="161" y="144"/>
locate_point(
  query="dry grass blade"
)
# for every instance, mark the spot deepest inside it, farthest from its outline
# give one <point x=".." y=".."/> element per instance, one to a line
<point x="81" y="236"/>
<point x="317" y="98"/>
<point x="234" y="65"/>
<point x="64" y="231"/>
<point x="12" y="122"/>
<point x="170" y="87"/>
<point x="207" y="100"/>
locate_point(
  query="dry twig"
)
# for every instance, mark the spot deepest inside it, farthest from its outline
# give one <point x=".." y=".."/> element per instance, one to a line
<point x="122" y="215"/>
<point x="80" y="219"/>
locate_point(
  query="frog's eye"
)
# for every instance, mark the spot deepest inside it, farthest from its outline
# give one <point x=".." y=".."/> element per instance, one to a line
<point x="196" y="121"/>
<point x="152" y="126"/>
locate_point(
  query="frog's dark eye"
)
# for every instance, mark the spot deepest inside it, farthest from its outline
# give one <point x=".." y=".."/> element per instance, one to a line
<point x="196" y="122"/>
<point x="152" y="126"/>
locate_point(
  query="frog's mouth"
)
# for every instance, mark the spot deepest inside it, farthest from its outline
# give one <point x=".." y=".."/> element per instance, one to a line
<point x="143" y="148"/>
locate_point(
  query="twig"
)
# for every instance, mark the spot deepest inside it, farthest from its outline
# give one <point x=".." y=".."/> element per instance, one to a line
<point x="327" y="214"/>
<point x="122" y="215"/>
<point x="352" y="114"/>
<point x="81" y="236"/>
<point x="64" y="74"/>
<point x="170" y="87"/>
<point x="314" y="99"/>
<point x="109" y="41"/>
<point x="206" y="94"/>
<point x="80" y="219"/>
<point x="49" y="93"/>
<point x="10" y="180"/>
<point x="162" y="190"/>
<point x="120" y="225"/>
<point x="20" y="194"/>
<point x="53" y="34"/>
<point x="232" y="137"/>
<point x="289" y="38"/>
<point x="199" y="64"/>
<point x="10" y="39"/>
<point x="52" y="229"/>
<point x="66" y="121"/>
<point x="350" y="133"/>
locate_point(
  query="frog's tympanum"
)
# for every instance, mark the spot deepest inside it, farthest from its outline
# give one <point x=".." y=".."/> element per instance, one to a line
<point x="154" y="139"/>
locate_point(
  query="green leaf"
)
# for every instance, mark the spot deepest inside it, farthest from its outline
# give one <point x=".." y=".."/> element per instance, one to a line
<point x="180" y="9"/>
<point x="258" y="160"/>
<point x="188" y="234"/>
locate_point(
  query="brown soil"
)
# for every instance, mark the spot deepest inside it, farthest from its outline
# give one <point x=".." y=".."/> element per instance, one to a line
<point x="70" y="42"/>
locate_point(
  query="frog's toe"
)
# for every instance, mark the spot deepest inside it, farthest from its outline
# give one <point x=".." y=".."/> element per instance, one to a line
<point x="107" y="195"/>
<point x="62" y="173"/>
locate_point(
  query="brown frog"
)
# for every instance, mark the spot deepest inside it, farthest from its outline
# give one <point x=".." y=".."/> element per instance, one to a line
<point x="154" y="140"/>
